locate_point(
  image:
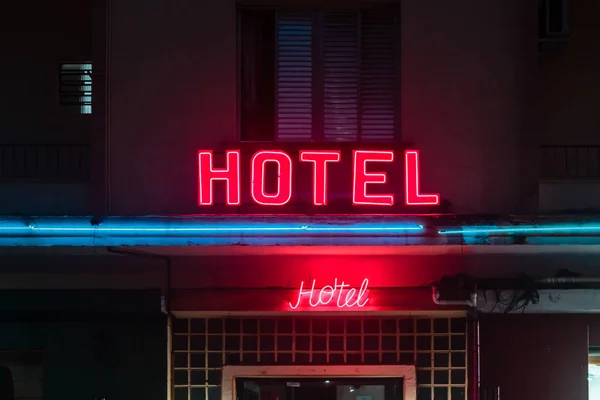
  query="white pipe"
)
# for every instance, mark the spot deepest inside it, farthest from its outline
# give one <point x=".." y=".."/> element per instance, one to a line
<point x="436" y="299"/>
<point x="573" y="280"/>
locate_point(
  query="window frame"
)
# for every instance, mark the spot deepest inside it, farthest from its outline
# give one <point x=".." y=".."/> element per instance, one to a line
<point x="316" y="7"/>
<point x="233" y="372"/>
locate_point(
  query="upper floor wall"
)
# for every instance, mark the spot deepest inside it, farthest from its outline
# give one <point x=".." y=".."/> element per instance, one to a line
<point x="52" y="55"/>
<point x="501" y="127"/>
<point x="465" y="80"/>
<point x="568" y="127"/>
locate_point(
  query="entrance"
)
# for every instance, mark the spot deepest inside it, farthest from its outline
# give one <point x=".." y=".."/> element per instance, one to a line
<point x="322" y="388"/>
<point x="324" y="382"/>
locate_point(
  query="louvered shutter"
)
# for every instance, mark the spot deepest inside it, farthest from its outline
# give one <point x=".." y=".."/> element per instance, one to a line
<point x="377" y="76"/>
<point x="357" y="74"/>
<point x="341" y="73"/>
<point x="294" y="85"/>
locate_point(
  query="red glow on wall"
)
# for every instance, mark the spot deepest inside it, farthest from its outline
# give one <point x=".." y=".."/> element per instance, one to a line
<point x="413" y="197"/>
<point x="338" y="294"/>
<point x="284" y="178"/>
<point x="207" y="174"/>
<point x="362" y="178"/>
<point x="320" y="160"/>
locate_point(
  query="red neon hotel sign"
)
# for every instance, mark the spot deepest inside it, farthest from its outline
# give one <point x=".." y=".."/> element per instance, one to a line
<point x="320" y="160"/>
<point x="339" y="295"/>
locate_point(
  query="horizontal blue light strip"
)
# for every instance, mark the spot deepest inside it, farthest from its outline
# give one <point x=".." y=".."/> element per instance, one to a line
<point x="212" y="229"/>
<point x="558" y="229"/>
<point x="194" y="226"/>
<point x="204" y="231"/>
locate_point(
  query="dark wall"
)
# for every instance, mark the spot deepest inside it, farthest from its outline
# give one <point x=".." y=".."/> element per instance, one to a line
<point x="569" y="82"/>
<point x="36" y="40"/>
<point x="44" y="147"/>
<point x="107" y="352"/>
<point x="466" y="76"/>
<point x="536" y="356"/>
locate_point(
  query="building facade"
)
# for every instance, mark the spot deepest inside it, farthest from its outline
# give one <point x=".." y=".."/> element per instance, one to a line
<point x="268" y="199"/>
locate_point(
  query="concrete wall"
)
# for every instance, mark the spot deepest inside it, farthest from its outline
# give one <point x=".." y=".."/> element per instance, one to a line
<point x="466" y="70"/>
<point x="37" y="136"/>
<point x="114" y="354"/>
<point x="45" y="270"/>
<point x="537" y="357"/>
<point x="567" y="110"/>
<point x="34" y="44"/>
<point x="135" y="366"/>
<point x="569" y="82"/>
<point x="470" y="76"/>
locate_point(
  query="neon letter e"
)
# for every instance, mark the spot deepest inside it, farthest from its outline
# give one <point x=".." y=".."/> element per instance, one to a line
<point x="362" y="178"/>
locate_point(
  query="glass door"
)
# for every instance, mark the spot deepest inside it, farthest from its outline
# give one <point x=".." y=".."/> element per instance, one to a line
<point x="319" y="388"/>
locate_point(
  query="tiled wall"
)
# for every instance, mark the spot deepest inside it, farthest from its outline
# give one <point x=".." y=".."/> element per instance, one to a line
<point x="437" y="346"/>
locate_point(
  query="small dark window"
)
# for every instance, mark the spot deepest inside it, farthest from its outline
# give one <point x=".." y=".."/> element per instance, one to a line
<point x="553" y="19"/>
<point x="319" y="76"/>
<point x="76" y="87"/>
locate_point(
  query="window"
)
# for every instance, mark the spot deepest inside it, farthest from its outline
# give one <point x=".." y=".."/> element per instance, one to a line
<point x="553" y="20"/>
<point x="76" y="87"/>
<point x="321" y="76"/>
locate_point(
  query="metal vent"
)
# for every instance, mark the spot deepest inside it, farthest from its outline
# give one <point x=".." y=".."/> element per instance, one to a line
<point x="76" y="87"/>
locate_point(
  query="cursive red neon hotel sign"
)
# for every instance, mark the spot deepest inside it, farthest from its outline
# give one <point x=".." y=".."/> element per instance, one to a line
<point x="320" y="160"/>
<point x="339" y="295"/>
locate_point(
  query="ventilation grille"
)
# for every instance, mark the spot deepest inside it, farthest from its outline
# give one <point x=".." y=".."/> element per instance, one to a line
<point x="437" y="347"/>
<point x="76" y="87"/>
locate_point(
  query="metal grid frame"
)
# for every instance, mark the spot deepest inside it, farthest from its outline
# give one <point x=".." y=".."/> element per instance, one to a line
<point x="437" y="346"/>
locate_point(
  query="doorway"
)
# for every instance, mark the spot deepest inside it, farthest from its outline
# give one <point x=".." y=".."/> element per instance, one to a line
<point x="381" y="382"/>
<point x="322" y="388"/>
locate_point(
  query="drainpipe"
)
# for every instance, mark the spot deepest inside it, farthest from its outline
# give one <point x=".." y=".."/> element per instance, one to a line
<point x="435" y="294"/>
